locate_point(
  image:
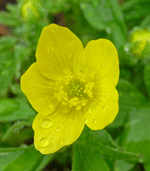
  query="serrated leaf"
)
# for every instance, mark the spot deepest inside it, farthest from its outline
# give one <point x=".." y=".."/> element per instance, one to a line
<point x="129" y="97"/>
<point x="86" y="158"/>
<point x="7" y="43"/>
<point x="106" y="15"/>
<point x="8" y="19"/>
<point x="136" y="135"/>
<point x="101" y="142"/>
<point x="147" y="77"/>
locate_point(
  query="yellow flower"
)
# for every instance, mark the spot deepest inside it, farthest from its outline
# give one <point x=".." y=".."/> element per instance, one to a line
<point x="140" y="37"/>
<point x="31" y="10"/>
<point x="70" y="86"/>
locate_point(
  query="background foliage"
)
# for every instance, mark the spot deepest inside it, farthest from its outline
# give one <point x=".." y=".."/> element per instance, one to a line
<point x="124" y="145"/>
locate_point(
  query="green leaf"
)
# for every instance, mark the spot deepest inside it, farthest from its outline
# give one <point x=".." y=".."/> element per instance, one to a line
<point x="136" y="135"/>
<point x="7" y="106"/>
<point x="15" y="128"/>
<point x="129" y="97"/>
<point x="8" y="155"/>
<point x="145" y="22"/>
<point x="6" y="43"/>
<point x="101" y="142"/>
<point x="7" y="70"/>
<point x="27" y="159"/>
<point x="86" y="158"/>
<point x="9" y="19"/>
<point x="122" y="165"/>
<point x="106" y="15"/>
<point x="147" y="76"/>
<point x="14" y="109"/>
<point x="147" y="167"/>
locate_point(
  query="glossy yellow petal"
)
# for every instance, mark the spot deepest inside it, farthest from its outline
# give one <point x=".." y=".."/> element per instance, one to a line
<point x="38" y="90"/>
<point x="58" y="50"/>
<point x="56" y="130"/>
<point x="104" y="107"/>
<point x="100" y="60"/>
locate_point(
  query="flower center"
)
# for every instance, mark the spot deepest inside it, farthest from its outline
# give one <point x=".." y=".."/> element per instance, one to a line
<point x="74" y="91"/>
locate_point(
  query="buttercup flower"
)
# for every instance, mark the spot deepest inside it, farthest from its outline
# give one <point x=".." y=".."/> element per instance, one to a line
<point x="70" y="86"/>
<point x="140" y="37"/>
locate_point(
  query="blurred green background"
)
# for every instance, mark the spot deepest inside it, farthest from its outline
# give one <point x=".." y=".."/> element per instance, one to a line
<point x="124" y="145"/>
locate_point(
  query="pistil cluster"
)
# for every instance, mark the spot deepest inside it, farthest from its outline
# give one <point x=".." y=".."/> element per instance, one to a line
<point x="74" y="91"/>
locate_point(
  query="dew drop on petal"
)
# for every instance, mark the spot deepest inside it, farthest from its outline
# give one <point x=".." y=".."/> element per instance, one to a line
<point x="69" y="55"/>
<point x="86" y="121"/>
<point x="58" y="129"/>
<point x="60" y="124"/>
<point x="50" y="105"/>
<point x="52" y="141"/>
<point x="46" y="124"/>
<point x="90" y="111"/>
<point x="61" y="142"/>
<point x="104" y="107"/>
<point x="92" y="74"/>
<point x="102" y="65"/>
<point x="44" y="142"/>
<point x="94" y="121"/>
<point x="50" y="49"/>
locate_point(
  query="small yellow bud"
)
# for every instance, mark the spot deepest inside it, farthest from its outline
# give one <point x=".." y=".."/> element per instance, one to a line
<point x="140" y="38"/>
<point x="31" y="11"/>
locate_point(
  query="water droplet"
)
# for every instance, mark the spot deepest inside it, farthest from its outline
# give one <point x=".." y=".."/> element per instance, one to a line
<point x="69" y="55"/>
<point x="50" y="104"/>
<point x="58" y="129"/>
<point x="61" y="142"/>
<point x="108" y="30"/>
<point x="104" y="107"/>
<point x="44" y="142"/>
<point x="126" y="49"/>
<point x="52" y="141"/>
<point x="102" y="65"/>
<point x="94" y="121"/>
<point x="90" y="111"/>
<point x="46" y="124"/>
<point x="92" y="74"/>
<point x="107" y="95"/>
<point x="112" y="77"/>
<point x="50" y="49"/>
<point x="86" y="121"/>
<point x="60" y="124"/>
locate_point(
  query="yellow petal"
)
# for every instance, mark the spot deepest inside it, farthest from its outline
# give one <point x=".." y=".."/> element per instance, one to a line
<point x="58" y="50"/>
<point x="100" y="58"/>
<point x="38" y="90"/>
<point x="56" y="130"/>
<point x="104" y="107"/>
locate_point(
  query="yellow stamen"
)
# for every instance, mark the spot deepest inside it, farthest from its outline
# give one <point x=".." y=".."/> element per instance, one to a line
<point x="74" y="91"/>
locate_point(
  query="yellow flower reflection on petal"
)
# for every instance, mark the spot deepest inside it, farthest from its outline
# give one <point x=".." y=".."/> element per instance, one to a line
<point x="70" y="86"/>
